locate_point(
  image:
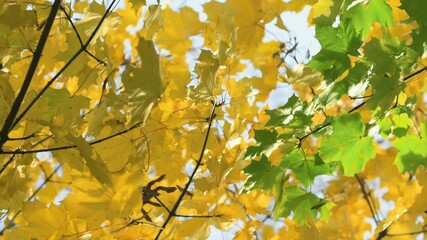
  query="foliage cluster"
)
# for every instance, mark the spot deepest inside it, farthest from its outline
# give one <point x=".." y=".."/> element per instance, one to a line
<point x="135" y="120"/>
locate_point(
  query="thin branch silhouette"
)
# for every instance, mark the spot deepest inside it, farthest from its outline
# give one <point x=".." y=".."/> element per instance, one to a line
<point x="72" y="146"/>
<point x="59" y="73"/>
<point x="8" y="124"/>
<point x="190" y="179"/>
<point x="365" y="195"/>
<point x="30" y="198"/>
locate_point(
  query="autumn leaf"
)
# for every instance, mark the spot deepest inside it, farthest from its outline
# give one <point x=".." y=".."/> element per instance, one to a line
<point x="213" y="119"/>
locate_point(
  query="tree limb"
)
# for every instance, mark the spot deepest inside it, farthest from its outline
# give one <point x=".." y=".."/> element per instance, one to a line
<point x="8" y="124"/>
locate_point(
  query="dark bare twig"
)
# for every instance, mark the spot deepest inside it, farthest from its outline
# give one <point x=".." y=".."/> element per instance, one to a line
<point x="47" y="179"/>
<point x="162" y="204"/>
<point x="6" y="164"/>
<point x="190" y="179"/>
<point x="414" y="74"/>
<point x="24" y="138"/>
<point x="361" y="97"/>
<point x="365" y="195"/>
<point x="8" y="124"/>
<point x="73" y="26"/>
<point x="198" y="216"/>
<point x="405" y="234"/>
<point x="136" y="221"/>
<point x="72" y="146"/>
<point x="59" y="73"/>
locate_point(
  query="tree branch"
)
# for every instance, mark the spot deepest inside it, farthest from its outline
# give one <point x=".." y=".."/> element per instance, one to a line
<point x="405" y="234"/>
<point x="4" y="166"/>
<point x="198" y="216"/>
<point x="365" y="195"/>
<point x="54" y="78"/>
<point x="190" y="179"/>
<point x="8" y="124"/>
<point x="414" y="74"/>
<point x="136" y="221"/>
<point x="72" y="146"/>
<point x="73" y="26"/>
<point x="162" y="204"/>
<point x="11" y="222"/>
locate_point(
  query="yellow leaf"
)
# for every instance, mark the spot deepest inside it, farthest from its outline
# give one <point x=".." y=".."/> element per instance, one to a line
<point x="177" y="27"/>
<point x="195" y="228"/>
<point x="96" y="165"/>
<point x="43" y="222"/>
<point x="322" y="8"/>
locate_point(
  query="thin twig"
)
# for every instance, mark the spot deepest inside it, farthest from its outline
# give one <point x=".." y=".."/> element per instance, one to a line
<point x="361" y="97"/>
<point x="96" y="58"/>
<point x="11" y="222"/>
<point x="414" y="74"/>
<point x="23" y="138"/>
<point x="4" y="166"/>
<point x="405" y="234"/>
<point x="190" y="179"/>
<point x="72" y="146"/>
<point x="365" y="195"/>
<point x="54" y="78"/>
<point x="198" y="216"/>
<point x="162" y="204"/>
<point x="73" y="26"/>
<point x="136" y="222"/>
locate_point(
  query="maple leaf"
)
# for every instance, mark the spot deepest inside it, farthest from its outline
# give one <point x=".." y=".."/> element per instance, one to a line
<point x="154" y="119"/>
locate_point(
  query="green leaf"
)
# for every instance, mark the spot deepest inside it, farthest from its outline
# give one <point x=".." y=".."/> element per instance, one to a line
<point x="382" y="54"/>
<point x="294" y="114"/>
<point x="337" y="43"/>
<point x="265" y="139"/>
<point x="261" y="174"/>
<point x="347" y="144"/>
<point x="365" y="13"/>
<point x="16" y="16"/>
<point x="305" y="169"/>
<point x="385" y="90"/>
<point x="295" y="117"/>
<point x="419" y="37"/>
<point x="385" y="125"/>
<point x="304" y="205"/>
<point x="412" y="151"/>
<point x="416" y="10"/>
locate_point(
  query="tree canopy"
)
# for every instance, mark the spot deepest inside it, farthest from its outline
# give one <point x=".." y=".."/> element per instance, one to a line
<point x="132" y="119"/>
